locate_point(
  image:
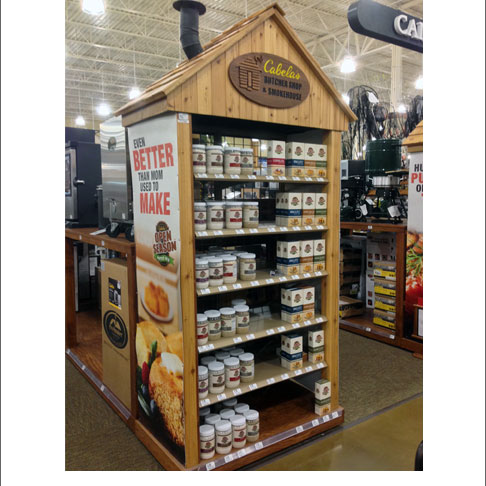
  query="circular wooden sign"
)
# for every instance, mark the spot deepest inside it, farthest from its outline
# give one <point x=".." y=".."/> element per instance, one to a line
<point x="269" y="80"/>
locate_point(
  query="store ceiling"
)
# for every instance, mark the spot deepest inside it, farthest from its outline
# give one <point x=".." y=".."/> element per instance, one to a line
<point x="137" y="41"/>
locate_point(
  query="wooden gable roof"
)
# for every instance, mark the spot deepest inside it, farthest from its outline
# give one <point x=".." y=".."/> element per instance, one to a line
<point x="197" y="84"/>
<point x="416" y="137"/>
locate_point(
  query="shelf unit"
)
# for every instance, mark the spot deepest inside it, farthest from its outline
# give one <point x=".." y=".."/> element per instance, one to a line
<point x="261" y="178"/>
<point x="263" y="229"/>
<point x="198" y="97"/>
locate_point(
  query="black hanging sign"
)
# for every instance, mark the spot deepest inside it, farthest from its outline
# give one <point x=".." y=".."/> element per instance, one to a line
<point x="386" y="24"/>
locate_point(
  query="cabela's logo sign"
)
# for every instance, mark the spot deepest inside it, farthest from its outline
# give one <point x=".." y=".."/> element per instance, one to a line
<point x="269" y="80"/>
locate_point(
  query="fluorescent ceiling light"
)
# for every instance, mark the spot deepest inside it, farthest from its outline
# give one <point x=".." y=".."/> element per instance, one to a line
<point x="348" y="65"/>
<point x="419" y="84"/>
<point x="402" y="109"/>
<point x="103" y="109"/>
<point x="346" y="98"/>
<point x="80" y="121"/>
<point x="93" y="7"/>
<point x="134" y="93"/>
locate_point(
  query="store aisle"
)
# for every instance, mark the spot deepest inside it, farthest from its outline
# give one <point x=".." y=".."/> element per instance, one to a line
<point x="385" y="442"/>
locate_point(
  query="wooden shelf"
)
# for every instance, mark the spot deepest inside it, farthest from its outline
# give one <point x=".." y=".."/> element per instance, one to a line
<point x="377" y="227"/>
<point x="84" y="235"/>
<point x="264" y="178"/>
<point x="260" y="328"/>
<point x="364" y="325"/>
<point x="266" y="228"/>
<point x="263" y="280"/>
<point x="266" y="373"/>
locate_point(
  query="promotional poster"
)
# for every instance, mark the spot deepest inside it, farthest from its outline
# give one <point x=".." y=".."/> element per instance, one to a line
<point x="154" y="164"/>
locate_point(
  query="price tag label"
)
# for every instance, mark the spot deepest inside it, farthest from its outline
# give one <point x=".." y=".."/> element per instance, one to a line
<point x="270" y="332"/>
<point x="368" y="329"/>
<point x="237" y="391"/>
<point x="235" y="176"/>
<point x="270" y="381"/>
<point x="219" y="176"/>
<point x="205" y="291"/>
<point x="83" y="367"/>
<point x="270" y="178"/>
<point x="202" y="349"/>
<point x="237" y="340"/>
<point x="297" y="372"/>
<point x="258" y="446"/>
<point x="282" y="178"/>
<point x="210" y="346"/>
<point x="325" y="418"/>
<point x="320" y="226"/>
<point x="202" y="176"/>
<point x="255" y="283"/>
<point x="252" y="177"/>
<point x="320" y="179"/>
<point x="210" y="466"/>
<point x="240" y="231"/>
<point x="249" y="337"/>
<point x="270" y="281"/>
<point x="315" y="423"/>
<point x="253" y="230"/>
<point x="319" y="319"/>
<point x="392" y="336"/>
<point x="308" y="178"/>
<point x="320" y="365"/>
<point x="334" y="415"/>
<point x="228" y="458"/>
<point x="222" y="288"/>
<point x="308" y="228"/>
<point x="218" y="233"/>
<point x="307" y="323"/>
<point x="253" y="386"/>
<point x="308" y="369"/>
<point x="318" y="273"/>
<point x="283" y="279"/>
<point x="237" y="286"/>
<point x="295" y="277"/>
<point x="102" y="242"/>
<point x="295" y="325"/>
<point x="222" y="396"/>
<point x="80" y="237"/>
<point x="285" y="376"/>
<point x="296" y="228"/>
<point x="272" y="229"/>
<point x="242" y="453"/>
<point x="102" y="388"/>
<point x="281" y="329"/>
<point x="370" y="227"/>
<point x="283" y="228"/>
<point x="306" y="275"/>
<point x="295" y="178"/>
<point x="299" y="429"/>
<point x="204" y="402"/>
<point x="203" y="233"/>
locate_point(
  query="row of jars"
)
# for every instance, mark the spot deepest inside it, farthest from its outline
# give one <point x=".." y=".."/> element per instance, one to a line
<point x="215" y="215"/>
<point x="225" y="322"/>
<point x="216" y="376"/>
<point x="228" y="268"/>
<point x="230" y="428"/>
<point x="214" y="159"/>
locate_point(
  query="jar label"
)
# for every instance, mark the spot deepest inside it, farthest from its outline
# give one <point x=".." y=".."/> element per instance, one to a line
<point x="224" y="440"/>
<point x="203" y="386"/>
<point x="207" y="446"/>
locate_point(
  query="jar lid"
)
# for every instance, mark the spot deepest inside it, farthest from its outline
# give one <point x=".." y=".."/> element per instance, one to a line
<point x="215" y="366"/>
<point x="251" y="415"/>
<point x="241" y="308"/>
<point x="214" y="203"/>
<point x="247" y="150"/>
<point x="223" y="426"/>
<point x="214" y="147"/>
<point x="215" y="260"/>
<point x="199" y="203"/>
<point x="233" y="203"/>
<point x="226" y="413"/>
<point x="246" y="357"/>
<point x="201" y="261"/>
<point x="230" y="403"/>
<point x="222" y="355"/>
<point x="204" y="411"/>
<point x="236" y="302"/>
<point x="229" y="258"/>
<point x="213" y="313"/>
<point x="248" y="255"/>
<point x="238" y="420"/>
<point x="232" y="149"/>
<point x="212" y="419"/>
<point x="250" y="203"/>
<point x="198" y="146"/>
<point x="202" y="370"/>
<point x="241" y="408"/>
<point x="202" y="318"/>
<point x="228" y="348"/>
<point x="228" y="311"/>
<point x="234" y="353"/>
<point x="206" y="430"/>
<point x="231" y="362"/>
<point x="207" y="359"/>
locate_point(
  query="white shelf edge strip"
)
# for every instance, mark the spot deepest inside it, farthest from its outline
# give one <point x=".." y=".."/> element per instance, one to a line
<point x="388" y="334"/>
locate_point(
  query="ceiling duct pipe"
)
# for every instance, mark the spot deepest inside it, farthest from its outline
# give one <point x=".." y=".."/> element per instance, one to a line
<point x="190" y="11"/>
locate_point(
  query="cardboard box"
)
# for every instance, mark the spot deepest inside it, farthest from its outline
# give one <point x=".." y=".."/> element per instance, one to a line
<point x="289" y="221"/>
<point x="383" y="318"/>
<point x="291" y="365"/>
<point x="319" y="266"/>
<point x="308" y="312"/>
<point x="288" y="249"/>
<point x="291" y="317"/>
<point x="288" y="269"/>
<point x="386" y="270"/>
<point x="309" y="293"/>
<point x="370" y="291"/>
<point x="350" y="307"/>
<point x="385" y="287"/>
<point x="294" y="171"/>
<point x="321" y="153"/>
<point x="294" y="150"/>
<point x="321" y="168"/>
<point x="310" y="151"/>
<point x="275" y="150"/>
<point x="322" y="389"/>
<point x="315" y="356"/>
<point x="309" y="200"/>
<point x="319" y="247"/>
<point x="116" y="327"/>
<point x="306" y="251"/>
<point x="306" y="267"/>
<point x="275" y="169"/>
<point x="291" y="356"/>
<point x="315" y="338"/>
<point x="291" y="343"/>
<point x="308" y="217"/>
<point x="310" y="170"/>
<point x="385" y="303"/>
<point x="322" y="409"/>
<point x="288" y="200"/>
<point x="292" y="297"/>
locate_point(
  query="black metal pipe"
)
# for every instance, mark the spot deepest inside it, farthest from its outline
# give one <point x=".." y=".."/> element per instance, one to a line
<point x="189" y="26"/>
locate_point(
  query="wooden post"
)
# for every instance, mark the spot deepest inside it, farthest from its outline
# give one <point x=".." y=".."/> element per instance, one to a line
<point x="188" y="291"/>
<point x="133" y="313"/>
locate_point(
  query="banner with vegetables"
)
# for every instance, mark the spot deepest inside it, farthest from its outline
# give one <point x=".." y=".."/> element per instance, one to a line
<point x="414" y="286"/>
<point x="154" y="165"/>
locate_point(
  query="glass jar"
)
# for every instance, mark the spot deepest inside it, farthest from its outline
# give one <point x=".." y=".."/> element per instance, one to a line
<point x="214" y="159"/>
<point x="247" y="367"/>
<point x="247" y="266"/>
<point x="246" y="161"/>
<point x="227" y="413"/>
<point x="238" y="426"/>
<point x="242" y="319"/>
<point x="199" y="159"/>
<point x="214" y="324"/>
<point x="215" y="271"/>
<point x="207" y="441"/>
<point x="202" y="273"/>
<point x="232" y="163"/>
<point x="228" y="321"/>
<point x="202" y="329"/>
<point x="229" y="269"/>
<point x="202" y="380"/>
<point x="230" y="403"/>
<point x="235" y="353"/>
<point x="234" y="215"/>
<point x="224" y="437"/>
<point x="205" y="360"/>
<point x="215" y="215"/>
<point x="236" y="302"/>
<point x="222" y="355"/>
<point x="203" y="413"/>
<point x="241" y="408"/>
<point x="200" y="216"/>
<point x="252" y="425"/>
<point x="232" y="372"/>
<point x="216" y="377"/>
<point x="251" y="214"/>
<point x="212" y="419"/>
